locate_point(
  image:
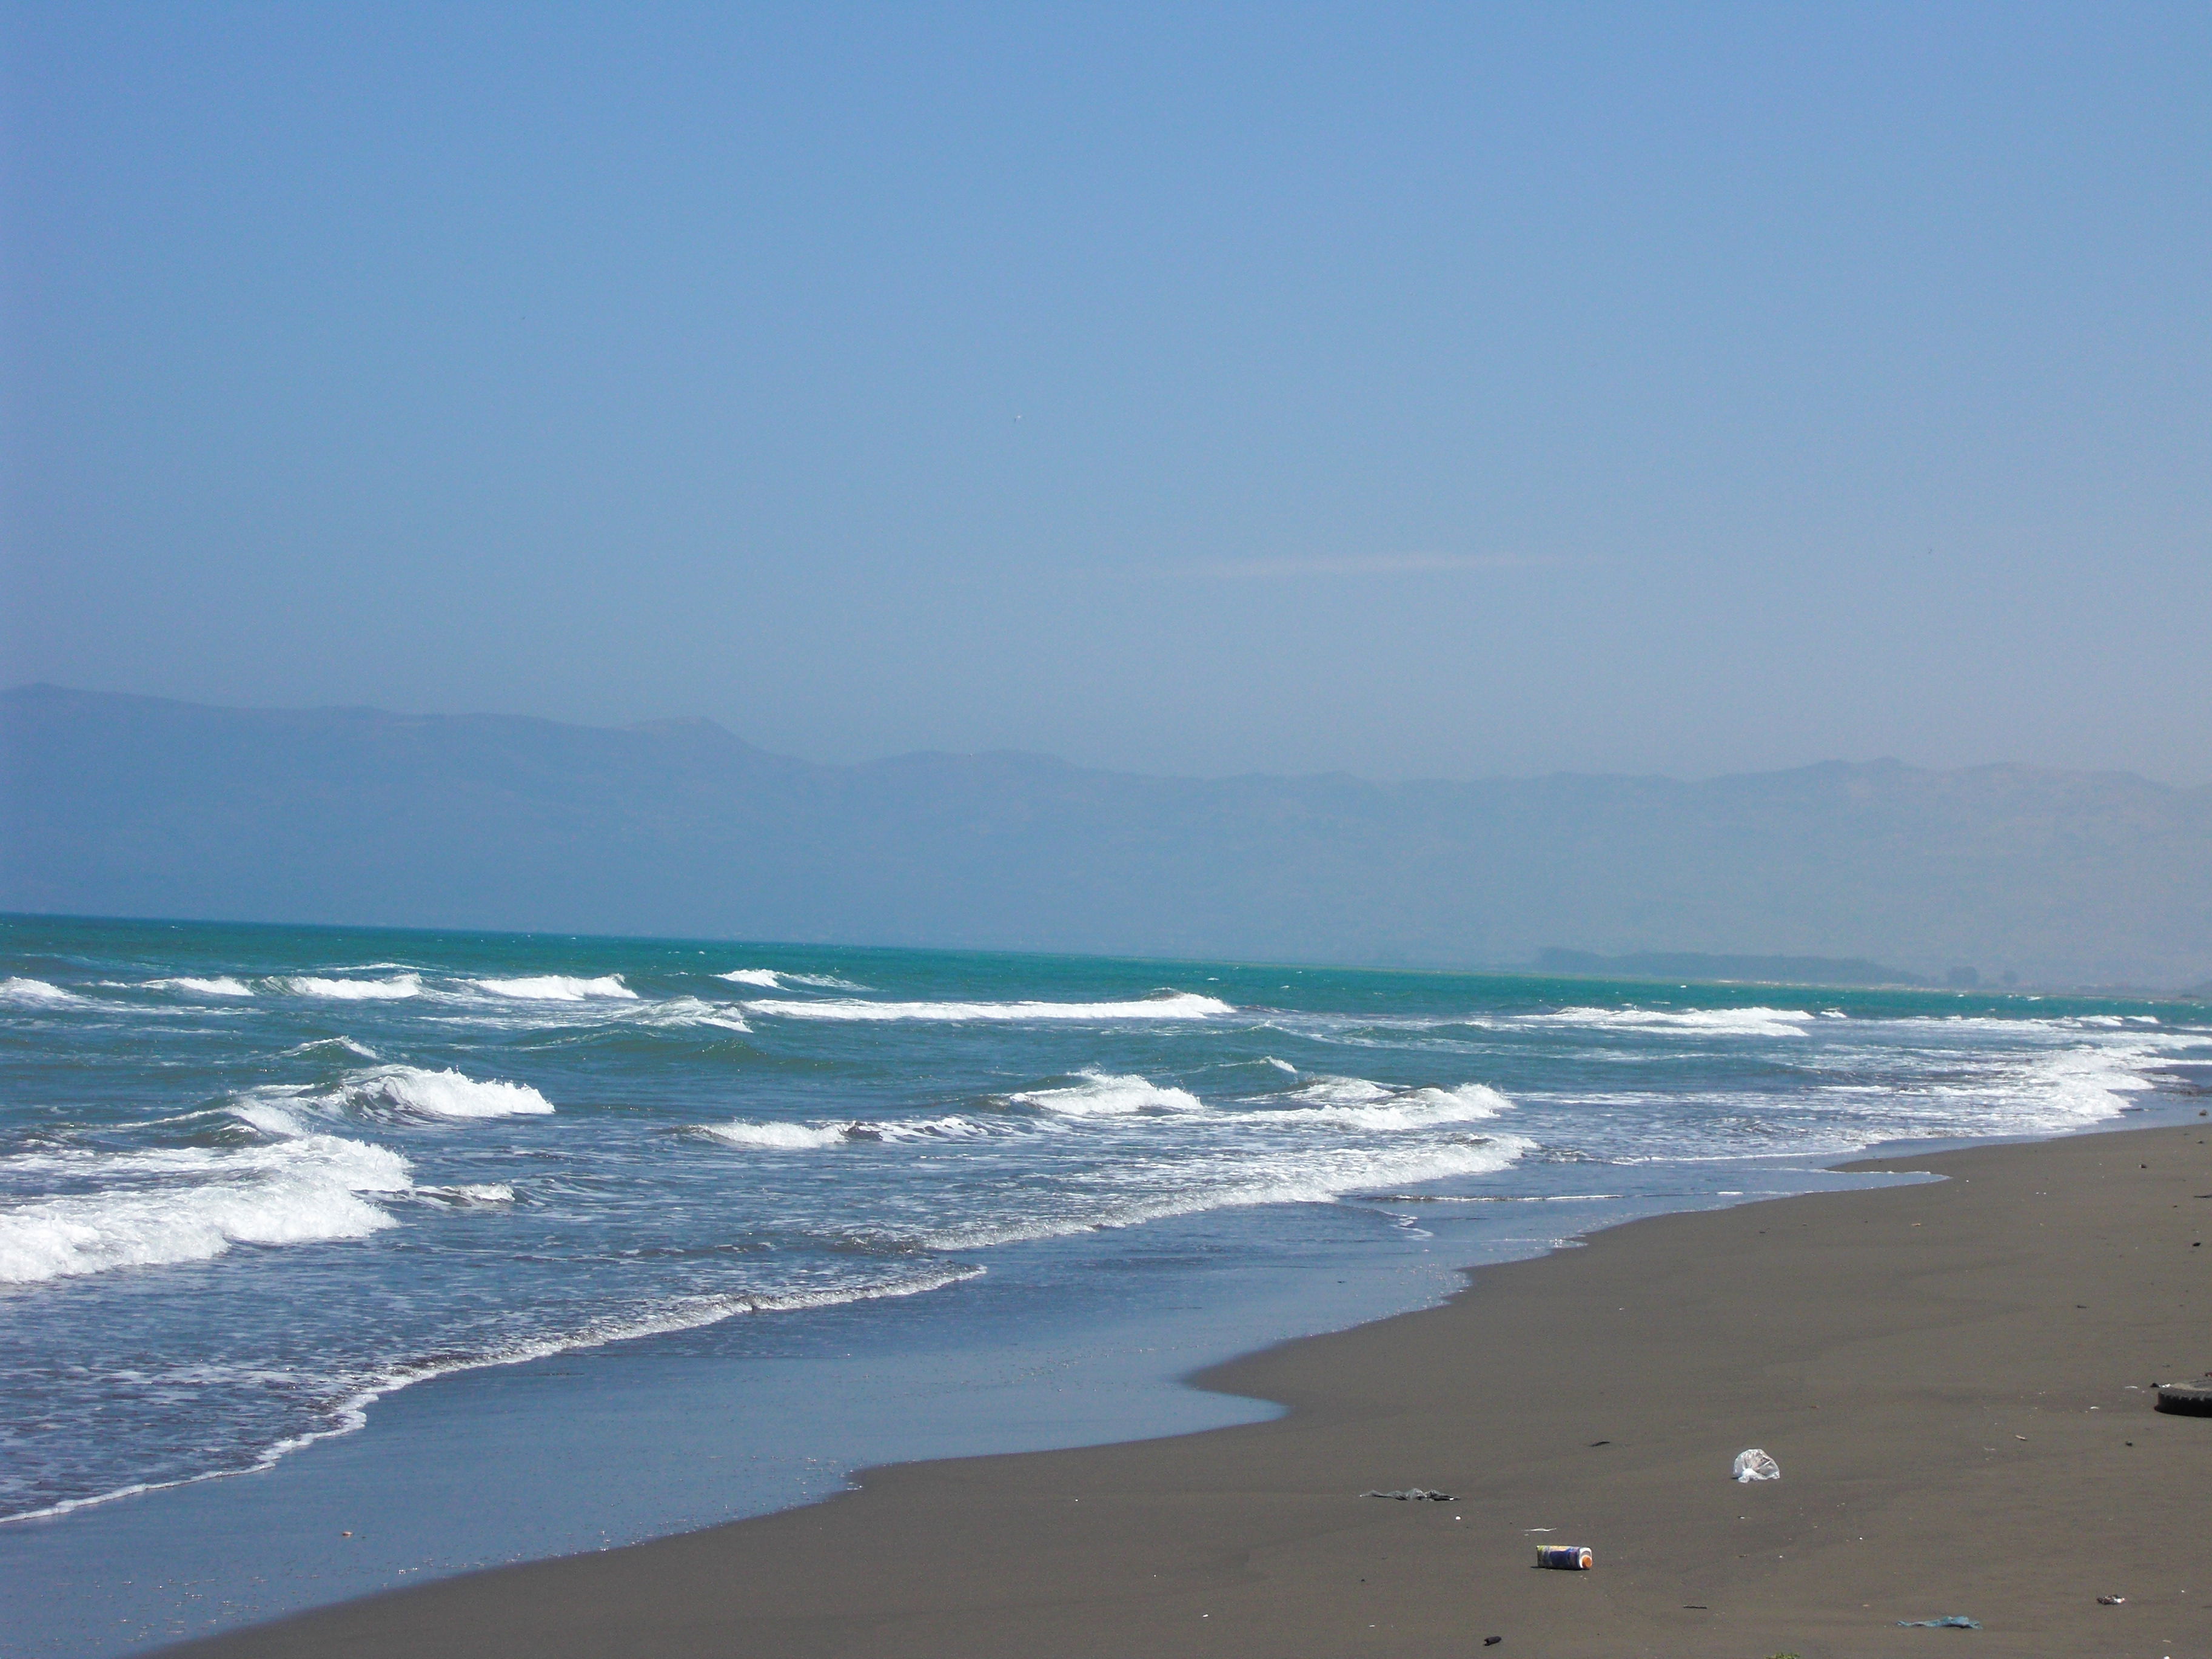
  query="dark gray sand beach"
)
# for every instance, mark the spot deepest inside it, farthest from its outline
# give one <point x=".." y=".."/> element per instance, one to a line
<point x="1954" y="1377"/>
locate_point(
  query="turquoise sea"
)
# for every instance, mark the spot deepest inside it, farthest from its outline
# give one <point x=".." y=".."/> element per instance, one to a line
<point x="505" y="1246"/>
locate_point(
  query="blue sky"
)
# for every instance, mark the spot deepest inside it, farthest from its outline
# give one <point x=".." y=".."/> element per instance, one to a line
<point x="1408" y="391"/>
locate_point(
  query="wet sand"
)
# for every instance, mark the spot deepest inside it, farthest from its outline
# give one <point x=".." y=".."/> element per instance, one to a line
<point x="1954" y="1377"/>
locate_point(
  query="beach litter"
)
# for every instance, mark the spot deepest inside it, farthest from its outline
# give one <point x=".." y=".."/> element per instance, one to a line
<point x="1753" y="1464"/>
<point x="1956" y="1621"/>
<point x="2186" y="1399"/>
<point x="1565" y="1557"/>
<point x="2111" y="1600"/>
<point x="1413" y="1495"/>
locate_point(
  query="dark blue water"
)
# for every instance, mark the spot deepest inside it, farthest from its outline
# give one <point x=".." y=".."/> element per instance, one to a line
<point x="721" y="1221"/>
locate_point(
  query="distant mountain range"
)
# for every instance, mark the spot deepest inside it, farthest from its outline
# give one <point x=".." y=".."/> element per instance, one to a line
<point x="125" y="805"/>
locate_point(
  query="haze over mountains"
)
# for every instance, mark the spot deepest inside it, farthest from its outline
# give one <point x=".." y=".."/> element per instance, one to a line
<point x="126" y="806"/>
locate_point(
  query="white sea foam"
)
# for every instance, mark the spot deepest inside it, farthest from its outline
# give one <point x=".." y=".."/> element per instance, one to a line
<point x="1719" y="1022"/>
<point x="221" y="986"/>
<point x="350" y="990"/>
<point x="2064" y="1089"/>
<point x="690" y="1011"/>
<point x="779" y="1137"/>
<point x="191" y="1204"/>
<point x="1312" y="1176"/>
<point x="776" y="979"/>
<point x="1174" y="1005"/>
<point x="36" y="994"/>
<point x="799" y="1137"/>
<point x="1343" y="1091"/>
<point x="1358" y="1104"/>
<point x="556" y="987"/>
<point x="1102" y="1094"/>
<point x="269" y="1116"/>
<point x="413" y="1091"/>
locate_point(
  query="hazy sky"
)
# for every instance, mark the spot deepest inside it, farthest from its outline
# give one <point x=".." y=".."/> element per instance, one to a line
<point x="1405" y="390"/>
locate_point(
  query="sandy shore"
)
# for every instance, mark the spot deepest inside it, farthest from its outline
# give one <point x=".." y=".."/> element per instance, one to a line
<point x="1953" y="1376"/>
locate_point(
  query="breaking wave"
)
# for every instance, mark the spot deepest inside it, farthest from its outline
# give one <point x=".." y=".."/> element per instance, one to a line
<point x="350" y="990"/>
<point x="36" y="994"/>
<point x="1357" y="1103"/>
<point x="1172" y="1004"/>
<point x="1101" y="1094"/>
<point x="413" y="1091"/>
<point x="556" y="987"/>
<point x="221" y="986"/>
<point x="1720" y="1022"/>
<point x="775" y="979"/>
<point x="191" y="1204"/>
<point x="691" y="1011"/>
<point x="330" y="1047"/>
<point x="1245" y="1180"/>
<point x="402" y="1092"/>
<point x="798" y="1137"/>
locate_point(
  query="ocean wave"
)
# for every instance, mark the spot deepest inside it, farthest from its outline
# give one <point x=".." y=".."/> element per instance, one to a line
<point x="556" y="987"/>
<point x="270" y="1117"/>
<point x="1719" y="1022"/>
<point x="393" y="1091"/>
<point x="221" y="986"/>
<point x="349" y="990"/>
<point x="302" y="1189"/>
<point x="1253" y="1178"/>
<point x="350" y="1414"/>
<point x="1343" y="1091"/>
<point x="1355" y="1102"/>
<point x="1102" y="1094"/>
<point x="777" y="1137"/>
<point x="471" y="1195"/>
<point x="332" y="1048"/>
<point x="798" y="1137"/>
<point x="776" y="979"/>
<point x="690" y="1010"/>
<point x="2098" y="1028"/>
<point x="693" y="1312"/>
<point x="1172" y="1004"/>
<point x="36" y="994"/>
<point x="415" y="1093"/>
<point x="2064" y="1089"/>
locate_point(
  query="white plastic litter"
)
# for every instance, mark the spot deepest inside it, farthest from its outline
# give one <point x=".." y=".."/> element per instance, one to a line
<point x="1755" y="1465"/>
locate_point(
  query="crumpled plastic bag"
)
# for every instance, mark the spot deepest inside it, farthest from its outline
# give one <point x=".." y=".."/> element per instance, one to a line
<point x="1753" y="1464"/>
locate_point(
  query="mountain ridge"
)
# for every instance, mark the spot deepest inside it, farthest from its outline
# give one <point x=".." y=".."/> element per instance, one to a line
<point x="120" y="804"/>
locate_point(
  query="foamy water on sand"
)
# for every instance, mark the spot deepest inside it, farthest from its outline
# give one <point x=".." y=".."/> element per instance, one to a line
<point x="253" y="1180"/>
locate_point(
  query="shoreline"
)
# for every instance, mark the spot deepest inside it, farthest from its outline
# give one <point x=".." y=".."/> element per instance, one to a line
<point x="1887" y="1344"/>
<point x="632" y="1443"/>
